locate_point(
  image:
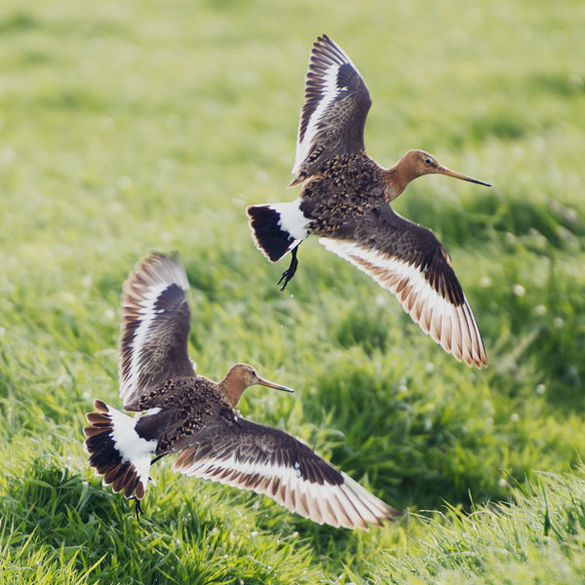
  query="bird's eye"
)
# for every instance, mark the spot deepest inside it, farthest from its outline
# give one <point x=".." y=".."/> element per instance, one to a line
<point x="254" y="374"/>
<point x="428" y="160"/>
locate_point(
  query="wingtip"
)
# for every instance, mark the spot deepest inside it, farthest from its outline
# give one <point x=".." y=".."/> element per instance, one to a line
<point x="482" y="362"/>
<point x="465" y="355"/>
<point x="453" y="327"/>
<point x="156" y="268"/>
<point x="477" y="361"/>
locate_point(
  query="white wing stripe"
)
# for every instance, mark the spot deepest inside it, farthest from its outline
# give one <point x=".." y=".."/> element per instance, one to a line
<point x="453" y="327"/>
<point x="330" y="92"/>
<point x="266" y="470"/>
<point x="347" y="504"/>
<point x="146" y="309"/>
<point x="141" y="292"/>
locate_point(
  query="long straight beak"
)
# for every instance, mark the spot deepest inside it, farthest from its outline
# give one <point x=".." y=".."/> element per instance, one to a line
<point x="264" y="382"/>
<point x="456" y="175"/>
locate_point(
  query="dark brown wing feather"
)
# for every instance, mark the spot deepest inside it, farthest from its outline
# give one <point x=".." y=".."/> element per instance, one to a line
<point x="155" y="327"/>
<point x="269" y="461"/>
<point x="408" y="260"/>
<point x="335" y="109"/>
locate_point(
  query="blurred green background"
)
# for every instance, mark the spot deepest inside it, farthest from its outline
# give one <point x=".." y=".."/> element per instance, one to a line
<point x="134" y="126"/>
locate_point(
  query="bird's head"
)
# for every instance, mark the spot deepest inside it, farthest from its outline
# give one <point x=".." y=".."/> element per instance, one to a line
<point x="240" y="377"/>
<point x="418" y="163"/>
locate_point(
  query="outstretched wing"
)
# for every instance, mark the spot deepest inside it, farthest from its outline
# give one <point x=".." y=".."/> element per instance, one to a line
<point x="269" y="461"/>
<point x="408" y="260"/>
<point x="154" y="327"/>
<point x="335" y="109"/>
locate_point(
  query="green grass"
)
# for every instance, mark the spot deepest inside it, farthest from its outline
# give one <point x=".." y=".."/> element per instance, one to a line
<point x="127" y="127"/>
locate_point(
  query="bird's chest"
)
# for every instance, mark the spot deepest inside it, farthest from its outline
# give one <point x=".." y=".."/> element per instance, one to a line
<point x="347" y="186"/>
<point x="338" y="195"/>
<point x="190" y="415"/>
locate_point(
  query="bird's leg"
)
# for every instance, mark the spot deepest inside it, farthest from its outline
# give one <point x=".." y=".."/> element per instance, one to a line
<point x="137" y="507"/>
<point x="152" y="462"/>
<point x="290" y="271"/>
<point x="157" y="458"/>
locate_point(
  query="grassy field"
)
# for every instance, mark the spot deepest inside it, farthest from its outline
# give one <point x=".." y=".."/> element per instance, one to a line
<point x="132" y="126"/>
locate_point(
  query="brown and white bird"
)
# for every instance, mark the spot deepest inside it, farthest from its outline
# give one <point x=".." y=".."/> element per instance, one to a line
<point x="345" y="199"/>
<point x="190" y="415"/>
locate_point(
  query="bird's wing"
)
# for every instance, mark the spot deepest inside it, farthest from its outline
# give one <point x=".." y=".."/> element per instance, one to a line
<point x="335" y="109"/>
<point x="268" y="461"/>
<point x="154" y="327"/>
<point x="408" y="260"/>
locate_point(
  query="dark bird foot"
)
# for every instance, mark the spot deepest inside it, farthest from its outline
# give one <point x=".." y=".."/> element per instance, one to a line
<point x="290" y="271"/>
<point x="137" y="507"/>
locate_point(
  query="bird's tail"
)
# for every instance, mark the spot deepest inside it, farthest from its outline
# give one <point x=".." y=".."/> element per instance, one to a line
<point x="117" y="451"/>
<point x="277" y="228"/>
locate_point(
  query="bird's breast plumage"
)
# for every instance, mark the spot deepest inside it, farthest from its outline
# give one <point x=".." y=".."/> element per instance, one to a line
<point x="346" y="187"/>
<point x="190" y="402"/>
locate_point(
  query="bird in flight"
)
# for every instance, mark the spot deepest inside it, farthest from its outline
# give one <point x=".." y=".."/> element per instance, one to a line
<point x="189" y="415"/>
<point x="345" y="200"/>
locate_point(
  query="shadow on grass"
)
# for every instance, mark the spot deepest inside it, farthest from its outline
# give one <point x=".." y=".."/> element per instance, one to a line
<point x="19" y="22"/>
<point x="494" y="211"/>
<point x="559" y="84"/>
<point x="404" y="444"/>
<point x="177" y="541"/>
<point x="537" y="333"/>
<point x="70" y="514"/>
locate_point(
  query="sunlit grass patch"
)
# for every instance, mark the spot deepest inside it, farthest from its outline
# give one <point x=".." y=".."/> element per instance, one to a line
<point x="130" y="127"/>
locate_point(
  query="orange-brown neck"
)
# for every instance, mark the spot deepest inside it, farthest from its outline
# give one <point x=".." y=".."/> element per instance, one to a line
<point x="398" y="177"/>
<point x="232" y="386"/>
<point x="402" y="173"/>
